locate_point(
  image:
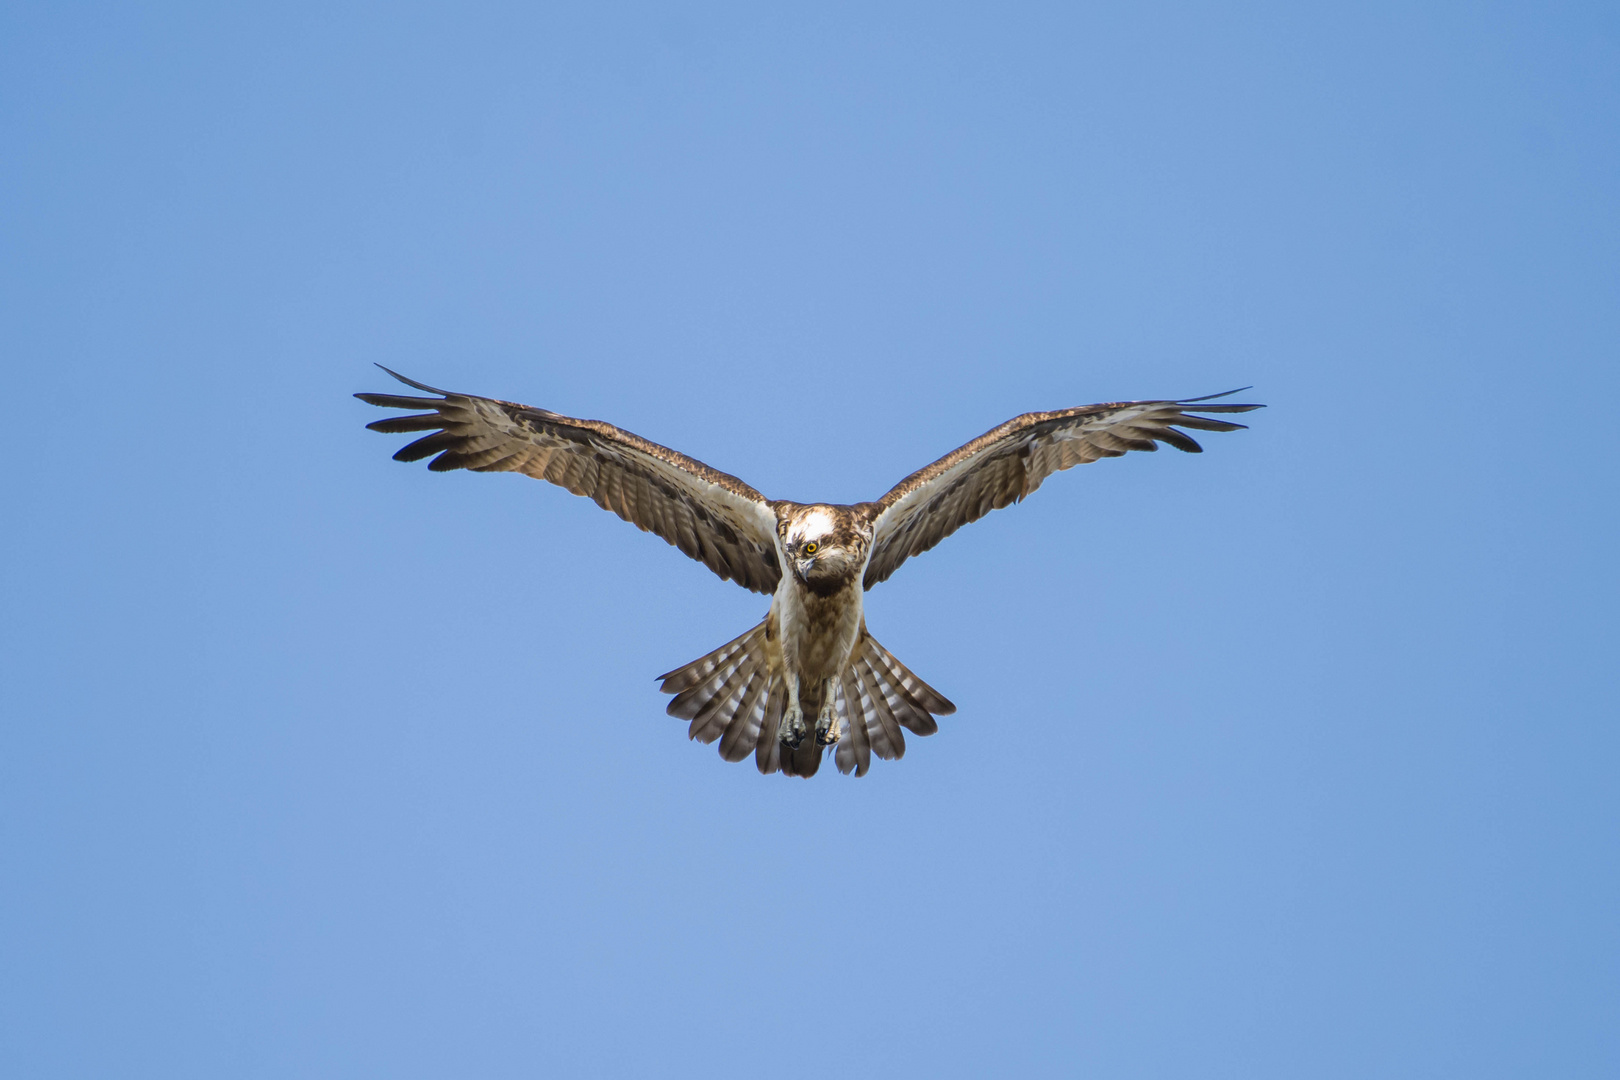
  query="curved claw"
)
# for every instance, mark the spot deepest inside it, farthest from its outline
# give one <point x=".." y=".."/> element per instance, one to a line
<point x="791" y="732"/>
<point x="828" y="728"/>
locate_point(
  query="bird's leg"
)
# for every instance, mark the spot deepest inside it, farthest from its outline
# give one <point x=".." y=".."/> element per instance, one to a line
<point x="792" y="730"/>
<point x="828" y="730"/>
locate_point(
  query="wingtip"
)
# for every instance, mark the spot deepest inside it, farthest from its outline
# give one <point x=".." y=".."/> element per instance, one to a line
<point x="1206" y="397"/>
<point x="1217" y="397"/>
<point x="413" y="382"/>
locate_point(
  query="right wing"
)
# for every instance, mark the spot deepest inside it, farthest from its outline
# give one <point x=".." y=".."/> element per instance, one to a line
<point x="711" y="516"/>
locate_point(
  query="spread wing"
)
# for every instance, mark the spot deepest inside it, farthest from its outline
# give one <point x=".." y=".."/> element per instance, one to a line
<point x="710" y="515"/>
<point x="1002" y="466"/>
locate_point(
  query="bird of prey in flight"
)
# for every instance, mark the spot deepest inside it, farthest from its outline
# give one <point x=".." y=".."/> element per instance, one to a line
<point x="810" y="675"/>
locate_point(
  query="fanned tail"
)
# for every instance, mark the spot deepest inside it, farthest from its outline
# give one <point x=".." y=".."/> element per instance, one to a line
<point x="878" y="696"/>
<point x="733" y="695"/>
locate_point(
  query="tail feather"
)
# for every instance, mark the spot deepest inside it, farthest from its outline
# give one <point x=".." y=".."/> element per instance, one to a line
<point x="716" y="714"/>
<point x="918" y="691"/>
<point x="908" y="712"/>
<point x="880" y="695"/>
<point x="690" y="703"/>
<point x="742" y="730"/>
<point x="700" y="683"/>
<point x="855" y="748"/>
<point x="802" y="760"/>
<point x="888" y="741"/>
<point x="689" y="675"/>
<point x="732" y="695"/>
<point x="768" y="752"/>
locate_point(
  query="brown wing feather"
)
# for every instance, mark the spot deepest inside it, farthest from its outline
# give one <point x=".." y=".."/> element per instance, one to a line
<point x="1005" y="464"/>
<point x="711" y="516"/>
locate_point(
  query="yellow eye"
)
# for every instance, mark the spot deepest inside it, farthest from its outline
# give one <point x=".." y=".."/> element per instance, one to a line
<point x="811" y="548"/>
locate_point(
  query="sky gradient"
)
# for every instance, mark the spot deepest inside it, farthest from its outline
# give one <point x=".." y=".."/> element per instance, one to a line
<point x="1286" y="760"/>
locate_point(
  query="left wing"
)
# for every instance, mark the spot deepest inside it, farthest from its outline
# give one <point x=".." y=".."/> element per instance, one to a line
<point x="711" y="516"/>
<point x="1003" y="465"/>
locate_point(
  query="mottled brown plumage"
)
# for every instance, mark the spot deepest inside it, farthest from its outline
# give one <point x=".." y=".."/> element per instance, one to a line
<point x="711" y="516"/>
<point x="809" y="675"/>
<point x="1005" y="464"/>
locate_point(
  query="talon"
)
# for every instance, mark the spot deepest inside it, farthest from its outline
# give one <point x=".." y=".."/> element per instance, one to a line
<point x="792" y="731"/>
<point x="828" y="729"/>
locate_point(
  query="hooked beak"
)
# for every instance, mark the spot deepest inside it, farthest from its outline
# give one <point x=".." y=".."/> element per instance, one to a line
<point x="801" y="569"/>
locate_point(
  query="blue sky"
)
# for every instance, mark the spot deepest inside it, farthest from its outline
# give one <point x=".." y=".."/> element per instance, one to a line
<point x="1293" y="759"/>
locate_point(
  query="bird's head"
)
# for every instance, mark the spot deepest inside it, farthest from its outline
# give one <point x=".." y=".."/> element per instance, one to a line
<point x="826" y="547"/>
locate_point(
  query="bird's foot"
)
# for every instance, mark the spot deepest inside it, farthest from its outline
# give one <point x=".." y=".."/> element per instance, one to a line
<point x="791" y="732"/>
<point x="828" y="729"/>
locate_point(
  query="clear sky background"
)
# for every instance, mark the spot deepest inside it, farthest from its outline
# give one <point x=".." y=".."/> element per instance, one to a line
<point x="1294" y="759"/>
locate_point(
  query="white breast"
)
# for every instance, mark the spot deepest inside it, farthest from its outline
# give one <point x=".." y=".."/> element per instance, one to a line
<point x="817" y="632"/>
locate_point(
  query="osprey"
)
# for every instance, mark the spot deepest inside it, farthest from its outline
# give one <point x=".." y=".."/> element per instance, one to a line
<point x="810" y="675"/>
